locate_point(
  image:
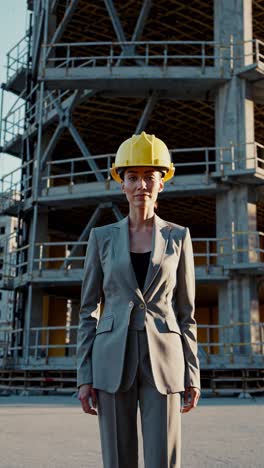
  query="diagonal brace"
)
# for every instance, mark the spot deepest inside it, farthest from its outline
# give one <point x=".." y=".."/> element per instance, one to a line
<point x="115" y="20"/>
<point x="84" y="235"/>
<point x="146" y="113"/>
<point x="144" y="12"/>
<point x="84" y="150"/>
<point x="61" y="28"/>
<point x="51" y="146"/>
<point x="36" y="42"/>
<point x="143" y="15"/>
<point x="74" y="99"/>
<point x="117" y="212"/>
<point x="56" y="105"/>
<point x="54" y="6"/>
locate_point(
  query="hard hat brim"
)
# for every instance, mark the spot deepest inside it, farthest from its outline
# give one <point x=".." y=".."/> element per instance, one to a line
<point x="169" y="174"/>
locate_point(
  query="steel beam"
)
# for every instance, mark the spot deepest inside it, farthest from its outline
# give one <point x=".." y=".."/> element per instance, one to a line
<point x="115" y="20"/>
<point x="51" y="146"/>
<point x="131" y="79"/>
<point x="37" y="48"/>
<point x="118" y="27"/>
<point x="28" y="309"/>
<point x="56" y="105"/>
<point x="84" y="150"/>
<point x="26" y="337"/>
<point x="91" y="223"/>
<point x="61" y="28"/>
<point x="66" y="106"/>
<point x="54" y="6"/>
<point x="37" y="156"/>
<point x="117" y="212"/>
<point x="146" y="113"/>
<point x="1" y="115"/>
<point x="144" y="12"/>
<point x="74" y="99"/>
<point x="85" y="233"/>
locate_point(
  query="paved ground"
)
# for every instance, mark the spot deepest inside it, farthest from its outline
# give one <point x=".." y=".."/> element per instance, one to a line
<point x="53" y="432"/>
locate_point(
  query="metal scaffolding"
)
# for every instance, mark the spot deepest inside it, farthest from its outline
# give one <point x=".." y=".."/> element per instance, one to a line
<point x="86" y="77"/>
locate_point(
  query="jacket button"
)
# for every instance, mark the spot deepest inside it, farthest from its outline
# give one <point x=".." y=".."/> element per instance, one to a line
<point x="131" y="303"/>
<point x="141" y="306"/>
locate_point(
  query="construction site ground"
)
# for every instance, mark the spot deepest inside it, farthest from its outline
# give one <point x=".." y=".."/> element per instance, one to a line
<point x="53" y="432"/>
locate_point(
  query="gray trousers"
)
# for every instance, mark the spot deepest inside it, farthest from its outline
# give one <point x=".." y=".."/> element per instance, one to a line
<point x="160" y="415"/>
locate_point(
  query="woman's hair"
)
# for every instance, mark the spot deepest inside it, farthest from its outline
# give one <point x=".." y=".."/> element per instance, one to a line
<point x="121" y="173"/>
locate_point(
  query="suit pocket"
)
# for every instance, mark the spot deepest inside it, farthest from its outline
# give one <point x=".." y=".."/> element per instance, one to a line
<point x="105" y="324"/>
<point x="173" y="325"/>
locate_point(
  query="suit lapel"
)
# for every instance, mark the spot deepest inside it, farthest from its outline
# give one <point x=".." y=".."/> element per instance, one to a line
<point x="160" y="238"/>
<point x="121" y="246"/>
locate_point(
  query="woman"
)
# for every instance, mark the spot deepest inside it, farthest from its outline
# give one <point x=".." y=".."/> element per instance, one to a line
<point x="144" y="348"/>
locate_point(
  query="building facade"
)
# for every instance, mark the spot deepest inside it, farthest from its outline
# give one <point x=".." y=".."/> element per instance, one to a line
<point x="87" y="76"/>
<point x="8" y="227"/>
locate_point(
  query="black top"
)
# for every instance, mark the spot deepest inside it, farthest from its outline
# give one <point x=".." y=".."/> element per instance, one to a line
<point x="140" y="262"/>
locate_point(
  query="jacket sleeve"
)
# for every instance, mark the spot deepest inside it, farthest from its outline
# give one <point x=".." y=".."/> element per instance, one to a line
<point x="91" y="294"/>
<point x="184" y="306"/>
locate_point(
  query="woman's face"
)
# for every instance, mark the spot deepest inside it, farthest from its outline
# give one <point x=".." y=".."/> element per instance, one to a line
<point x="142" y="185"/>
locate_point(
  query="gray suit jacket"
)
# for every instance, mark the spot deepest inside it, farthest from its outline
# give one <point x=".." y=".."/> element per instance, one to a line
<point x="167" y="301"/>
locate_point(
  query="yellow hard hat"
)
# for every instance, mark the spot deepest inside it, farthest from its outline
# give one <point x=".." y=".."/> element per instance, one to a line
<point x="142" y="150"/>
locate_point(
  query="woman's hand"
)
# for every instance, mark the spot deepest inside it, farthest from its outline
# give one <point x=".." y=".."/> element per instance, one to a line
<point x="88" y="398"/>
<point x="191" y="397"/>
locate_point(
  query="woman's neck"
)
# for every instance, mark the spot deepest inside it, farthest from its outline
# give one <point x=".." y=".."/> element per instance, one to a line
<point x="141" y="220"/>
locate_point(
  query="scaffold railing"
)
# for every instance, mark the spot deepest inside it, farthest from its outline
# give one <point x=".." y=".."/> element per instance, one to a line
<point x="16" y="186"/>
<point x="24" y="116"/>
<point x="208" y="53"/>
<point x="149" y="53"/>
<point x="259" y="51"/>
<point x="71" y="174"/>
<point x="242" y="249"/>
<point x="17" y="57"/>
<point x="227" y="341"/>
<point x="231" y="339"/>
<point x="13" y="124"/>
<point x="223" y="159"/>
<point x="247" y="247"/>
<point x="207" y="252"/>
<point x="9" y="242"/>
<point x="220" y="161"/>
<point x="52" y="101"/>
<point x="44" y="260"/>
<point x="250" y="52"/>
<point x="215" y="161"/>
<point x="15" y="259"/>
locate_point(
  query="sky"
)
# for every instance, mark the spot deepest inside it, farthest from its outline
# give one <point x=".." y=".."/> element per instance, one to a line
<point x="13" y="24"/>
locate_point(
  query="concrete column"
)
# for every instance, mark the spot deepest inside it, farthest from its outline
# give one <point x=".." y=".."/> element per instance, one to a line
<point x="234" y="117"/>
<point x="238" y="303"/>
<point x="236" y="209"/>
<point x="74" y="321"/>
<point x="38" y="232"/>
<point x="236" y="215"/>
<point x="234" y="106"/>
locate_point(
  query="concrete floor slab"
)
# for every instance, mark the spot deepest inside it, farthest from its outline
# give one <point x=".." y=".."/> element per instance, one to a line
<point x="54" y="432"/>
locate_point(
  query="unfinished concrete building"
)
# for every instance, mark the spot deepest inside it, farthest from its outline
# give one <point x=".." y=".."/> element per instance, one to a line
<point x="87" y="76"/>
